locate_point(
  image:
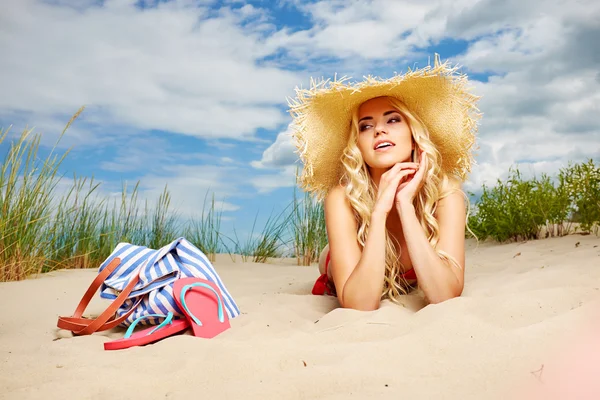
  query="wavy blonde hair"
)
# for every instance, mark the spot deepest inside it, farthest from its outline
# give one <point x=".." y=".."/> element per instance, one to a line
<point x="361" y="192"/>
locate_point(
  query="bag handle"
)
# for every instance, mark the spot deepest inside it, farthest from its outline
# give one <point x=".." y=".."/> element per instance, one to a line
<point x="86" y="326"/>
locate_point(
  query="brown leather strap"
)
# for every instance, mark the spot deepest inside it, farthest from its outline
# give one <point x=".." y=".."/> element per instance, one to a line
<point x="85" y="326"/>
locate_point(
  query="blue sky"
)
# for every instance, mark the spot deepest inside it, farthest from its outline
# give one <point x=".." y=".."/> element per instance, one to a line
<point x="192" y="93"/>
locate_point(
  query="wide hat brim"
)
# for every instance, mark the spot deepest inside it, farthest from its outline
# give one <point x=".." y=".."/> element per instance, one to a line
<point x="438" y="95"/>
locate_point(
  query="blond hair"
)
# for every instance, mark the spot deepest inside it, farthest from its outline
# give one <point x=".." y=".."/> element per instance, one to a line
<point x="361" y="193"/>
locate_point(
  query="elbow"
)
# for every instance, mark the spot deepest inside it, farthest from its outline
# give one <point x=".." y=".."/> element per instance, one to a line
<point x="439" y="299"/>
<point x="360" y="304"/>
<point x="449" y="294"/>
<point x="451" y="289"/>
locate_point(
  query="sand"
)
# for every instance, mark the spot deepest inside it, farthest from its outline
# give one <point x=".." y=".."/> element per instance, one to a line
<point x="524" y="305"/>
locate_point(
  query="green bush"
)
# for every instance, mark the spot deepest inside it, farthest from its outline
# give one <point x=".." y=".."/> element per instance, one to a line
<point x="582" y="182"/>
<point x="518" y="209"/>
<point x="41" y="231"/>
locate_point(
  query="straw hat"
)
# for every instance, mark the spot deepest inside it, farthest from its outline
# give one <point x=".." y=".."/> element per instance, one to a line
<point x="437" y="95"/>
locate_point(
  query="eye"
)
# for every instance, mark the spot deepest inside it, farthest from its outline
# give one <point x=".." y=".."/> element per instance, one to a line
<point x="394" y="119"/>
<point x="363" y="127"/>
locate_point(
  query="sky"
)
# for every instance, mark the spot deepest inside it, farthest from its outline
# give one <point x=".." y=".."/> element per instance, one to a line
<point x="193" y="94"/>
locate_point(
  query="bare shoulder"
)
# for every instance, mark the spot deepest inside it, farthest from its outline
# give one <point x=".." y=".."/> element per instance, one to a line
<point x="451" y="185"/>
<point x="452" y="201"/>
<point x="452" y="197"/>
<point x="336" y="194"/>
<point x="342" y="230"/>
<point x="338" y="209"/>
<point x="451" y="217"/>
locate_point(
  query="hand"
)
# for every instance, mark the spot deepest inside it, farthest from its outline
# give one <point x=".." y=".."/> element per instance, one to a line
<point x="408" y="189"/>
<point x="389" y="183"/>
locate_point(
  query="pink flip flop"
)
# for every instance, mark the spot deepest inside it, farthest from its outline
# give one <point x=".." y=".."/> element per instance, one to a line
<point x="201" y="302"/>
<point x="150" y="335"/>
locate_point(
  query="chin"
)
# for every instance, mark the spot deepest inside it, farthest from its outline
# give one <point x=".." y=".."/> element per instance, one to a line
<point x="387" y="162"/>
<point x="381" y="166"/>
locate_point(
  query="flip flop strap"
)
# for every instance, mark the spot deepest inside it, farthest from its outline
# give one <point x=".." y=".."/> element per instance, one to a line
<point x="168" y="320"/>
<point x="206" y="286"/>
<point x="84" y="326"/>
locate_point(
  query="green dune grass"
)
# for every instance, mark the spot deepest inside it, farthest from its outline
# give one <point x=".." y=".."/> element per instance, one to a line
<point x="44" y="229"/>
<point x="518" y="209"/>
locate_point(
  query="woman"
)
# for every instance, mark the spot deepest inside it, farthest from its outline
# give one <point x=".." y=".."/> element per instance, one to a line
<point x="388" y="157"/>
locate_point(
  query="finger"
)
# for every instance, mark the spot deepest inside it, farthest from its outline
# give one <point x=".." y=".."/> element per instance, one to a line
<point x="402" y="186"/>
<point x="417" y="179"/>
<point x="401" y="175"/>
<point x="409" y="164"/>
<point x="392" y="183"/>
<point x="387" y="175"/>
<point x="419" y="154"/>
<point x="405" y="165"/>
<point x="393" y="178"/>
<point x="400" y="166"/>
<point x="424" y="165"/>
<point x="398" y="175"/>
<point x="410" y="181"/>
<point x="406" y="179"/>
<point x="389" y="189"/>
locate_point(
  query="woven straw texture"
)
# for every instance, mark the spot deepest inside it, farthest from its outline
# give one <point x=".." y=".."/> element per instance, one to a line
<point x="438" y="95"/>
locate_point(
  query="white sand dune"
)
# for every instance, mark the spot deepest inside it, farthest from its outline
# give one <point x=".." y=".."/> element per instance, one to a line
<point x="522" y="305"/>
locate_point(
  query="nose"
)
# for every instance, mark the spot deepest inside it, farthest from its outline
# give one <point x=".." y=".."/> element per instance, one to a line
<point x="379" y="129"/>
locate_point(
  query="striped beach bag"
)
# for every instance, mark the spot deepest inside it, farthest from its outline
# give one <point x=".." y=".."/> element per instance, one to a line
<point x="139" y="281"/>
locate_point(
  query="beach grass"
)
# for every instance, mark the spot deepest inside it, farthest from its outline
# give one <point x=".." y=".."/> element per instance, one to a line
<point x="49" y="222"/>
<point x="27" y="187"/>
<point x="260" y="246"/>
<point x="205" y="232"/>
<point x="519" y="209"/>
<point x="307" y="226"/>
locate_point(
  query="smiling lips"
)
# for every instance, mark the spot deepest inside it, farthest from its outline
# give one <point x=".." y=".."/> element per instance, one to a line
<point x="383" y="145"/>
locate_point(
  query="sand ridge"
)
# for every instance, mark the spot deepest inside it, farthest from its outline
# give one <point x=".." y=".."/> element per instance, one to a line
<point x="521" y="302"/>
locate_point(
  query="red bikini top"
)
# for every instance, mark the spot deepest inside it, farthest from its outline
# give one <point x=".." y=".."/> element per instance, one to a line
<point x="324" y="286"/>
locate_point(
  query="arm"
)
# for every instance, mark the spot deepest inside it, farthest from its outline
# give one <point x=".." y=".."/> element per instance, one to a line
<point x="358" y="276"/>
<point x="439" y="279"/>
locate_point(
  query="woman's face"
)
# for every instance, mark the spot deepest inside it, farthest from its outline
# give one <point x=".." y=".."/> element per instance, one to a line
<point x="384" y="137"/>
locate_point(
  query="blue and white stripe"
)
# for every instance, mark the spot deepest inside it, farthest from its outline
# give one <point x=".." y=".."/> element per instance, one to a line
<point x="158" y="269"/>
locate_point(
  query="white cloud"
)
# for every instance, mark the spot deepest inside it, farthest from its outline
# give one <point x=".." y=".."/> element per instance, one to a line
<point x="540" y="111"/>
<point x="141" y="154"/>
<point x="368" y="29"/>
<point x="170" y="68"/>
<point x="281" y="158"/>
<point x="189" y="184"/>
<point x="280" y="154"/>
<point x="284" y="177"/>
<point x="187" y="69"/>
<point x="190" y="189"/>
<point x="540" y="107"/>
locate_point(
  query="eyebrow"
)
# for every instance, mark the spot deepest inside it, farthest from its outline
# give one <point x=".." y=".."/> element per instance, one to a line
<point x="384" y="114"/>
